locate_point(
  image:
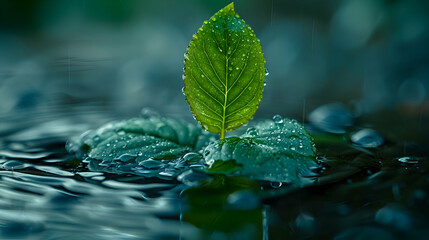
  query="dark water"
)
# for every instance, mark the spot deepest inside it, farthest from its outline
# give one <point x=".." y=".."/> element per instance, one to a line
<point x="368" y="186"/>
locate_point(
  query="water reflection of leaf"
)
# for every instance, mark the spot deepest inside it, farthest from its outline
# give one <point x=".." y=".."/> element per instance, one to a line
<point x="210" y="210"/>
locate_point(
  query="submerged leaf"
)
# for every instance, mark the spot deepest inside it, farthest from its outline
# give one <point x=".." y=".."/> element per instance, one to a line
<point x="140" y="139"/>
<point x="277" y="152"/>
<point x="224" y="72"/>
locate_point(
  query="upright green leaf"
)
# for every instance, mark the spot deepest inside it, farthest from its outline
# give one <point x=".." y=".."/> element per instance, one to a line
<point x="224" y="72"/>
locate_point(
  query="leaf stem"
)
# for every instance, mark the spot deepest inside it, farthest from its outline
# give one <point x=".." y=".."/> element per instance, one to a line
<point x="222" y="134"/>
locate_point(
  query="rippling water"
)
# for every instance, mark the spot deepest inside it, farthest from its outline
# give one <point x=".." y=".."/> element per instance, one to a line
<point x="367" y="187"/>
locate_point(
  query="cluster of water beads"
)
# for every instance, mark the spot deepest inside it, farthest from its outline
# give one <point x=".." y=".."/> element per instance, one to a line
<point x="149" y="168"/>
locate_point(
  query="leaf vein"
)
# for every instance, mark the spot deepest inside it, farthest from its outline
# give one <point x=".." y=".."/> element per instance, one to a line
<point x="199" y="67"/>
<point x="242" y="70"/>
<point x="210" y="95"/>
<point x="244" y="89"/>
<point x="236" y="46"/>
<point x="217" y="44"/>
<point x="211" y="65"/>
<point x="241" y="108"/>
<point x="209" y="108"/>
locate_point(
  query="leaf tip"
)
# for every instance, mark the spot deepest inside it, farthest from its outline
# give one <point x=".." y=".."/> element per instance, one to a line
<point x="230" y="6"/>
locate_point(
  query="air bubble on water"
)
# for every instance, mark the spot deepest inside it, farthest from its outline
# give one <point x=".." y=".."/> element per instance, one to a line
<point x="151" y="164"/>
<point x="278" y="119"/>
<point x="409" y="160"/>
<point x="367" y="138"/>
<point x="13" y="165"/>
<point x="191" y="157"/>
<point x="276" y="184"/>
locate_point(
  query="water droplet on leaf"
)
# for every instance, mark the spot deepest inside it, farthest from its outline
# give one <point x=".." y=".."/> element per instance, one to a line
<point x="278" y="119"/>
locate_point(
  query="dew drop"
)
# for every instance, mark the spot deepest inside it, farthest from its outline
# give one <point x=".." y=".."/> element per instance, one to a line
<point x="253" y="132"/>
<point x="278" y="119"/>
<point x="266" y="72"/>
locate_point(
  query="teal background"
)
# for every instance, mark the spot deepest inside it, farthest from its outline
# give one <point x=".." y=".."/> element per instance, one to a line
<point x="371" y="55"/>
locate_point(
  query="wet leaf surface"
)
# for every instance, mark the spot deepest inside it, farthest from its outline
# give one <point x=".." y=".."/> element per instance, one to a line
<point x="276" y="151"/>
<point x="224" y="72"/>
<point x="140" y="139"/>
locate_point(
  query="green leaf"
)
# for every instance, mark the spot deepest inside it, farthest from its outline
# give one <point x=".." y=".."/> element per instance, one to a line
<point x="224" y="72"/>
<point x="140" y="139"/>
<point x="277" y="152"/>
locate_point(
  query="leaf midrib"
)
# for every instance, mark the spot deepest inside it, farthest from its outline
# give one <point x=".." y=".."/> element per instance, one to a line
<point x="222" y="133"/>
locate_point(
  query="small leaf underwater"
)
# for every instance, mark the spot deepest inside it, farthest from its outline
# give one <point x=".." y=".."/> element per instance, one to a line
<point x="139" y="139"/>
<point x="224" y="72"/>
<point x="273" y="151"/>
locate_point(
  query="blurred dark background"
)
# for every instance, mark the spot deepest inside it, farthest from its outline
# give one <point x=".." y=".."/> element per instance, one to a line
<point x="125" y="55"/>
